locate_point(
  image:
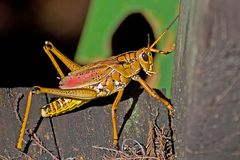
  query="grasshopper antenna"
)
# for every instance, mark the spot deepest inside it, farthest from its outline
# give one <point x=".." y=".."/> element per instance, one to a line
<point x="148" y="43"/>
<point x="163" y="33"/>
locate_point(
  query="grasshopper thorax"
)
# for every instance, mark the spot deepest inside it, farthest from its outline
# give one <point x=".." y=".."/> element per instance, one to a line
<point x="146" y="60"/>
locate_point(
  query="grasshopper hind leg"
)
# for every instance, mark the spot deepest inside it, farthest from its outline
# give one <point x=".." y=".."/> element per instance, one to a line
<point x="24" y="124"/>
<point x="49" y="49"/>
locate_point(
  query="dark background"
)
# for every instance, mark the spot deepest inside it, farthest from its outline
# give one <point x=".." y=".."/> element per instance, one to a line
<point x="26" y="25"/>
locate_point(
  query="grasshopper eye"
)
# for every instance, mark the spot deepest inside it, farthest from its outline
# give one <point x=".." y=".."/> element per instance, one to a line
<point x="145" y="57"/>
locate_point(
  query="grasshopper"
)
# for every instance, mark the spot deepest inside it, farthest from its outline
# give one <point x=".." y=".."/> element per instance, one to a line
<point x="99" y="79"/>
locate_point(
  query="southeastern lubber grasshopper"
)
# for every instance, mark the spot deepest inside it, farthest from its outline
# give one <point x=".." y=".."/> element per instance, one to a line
<point x="99" y="79"/>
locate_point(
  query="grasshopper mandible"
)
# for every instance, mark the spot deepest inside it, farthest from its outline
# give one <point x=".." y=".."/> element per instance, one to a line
<point x="99" y="79"/>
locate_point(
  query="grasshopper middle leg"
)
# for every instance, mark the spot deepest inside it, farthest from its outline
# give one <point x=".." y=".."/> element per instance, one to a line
<point x="114" y="121"/>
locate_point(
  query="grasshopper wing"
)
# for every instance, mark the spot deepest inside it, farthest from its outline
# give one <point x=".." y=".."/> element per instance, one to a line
<point x="87" y="75"/>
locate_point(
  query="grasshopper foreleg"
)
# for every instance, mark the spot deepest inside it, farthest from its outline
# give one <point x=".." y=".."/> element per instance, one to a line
<point x="172" y="48"/>
<point x="155" y="95"/>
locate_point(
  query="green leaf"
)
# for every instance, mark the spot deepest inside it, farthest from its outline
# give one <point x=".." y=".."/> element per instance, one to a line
<point x="103" y="19"/>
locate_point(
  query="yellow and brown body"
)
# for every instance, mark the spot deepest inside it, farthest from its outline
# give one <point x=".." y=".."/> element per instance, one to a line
<point x="103" y="77"/>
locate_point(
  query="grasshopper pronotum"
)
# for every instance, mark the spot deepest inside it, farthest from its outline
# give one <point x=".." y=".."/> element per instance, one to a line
<point x="99" y="79"/>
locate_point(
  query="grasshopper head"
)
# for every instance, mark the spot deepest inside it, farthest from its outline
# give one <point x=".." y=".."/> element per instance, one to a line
<point x="145" y="54"/>
<point x="146" y="60"/>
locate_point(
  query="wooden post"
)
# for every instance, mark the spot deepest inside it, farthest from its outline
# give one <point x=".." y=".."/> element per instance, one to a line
<point x="206" y="85"/>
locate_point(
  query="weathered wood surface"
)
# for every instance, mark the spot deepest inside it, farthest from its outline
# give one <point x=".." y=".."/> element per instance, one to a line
<point x="206" y="90"/>
<point x="76" y="133"/>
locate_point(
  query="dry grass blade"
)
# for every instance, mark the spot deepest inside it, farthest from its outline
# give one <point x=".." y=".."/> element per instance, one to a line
<point x="162" y="142"/>
<point x="159" y="146"/>
<point x="150" y="140"/>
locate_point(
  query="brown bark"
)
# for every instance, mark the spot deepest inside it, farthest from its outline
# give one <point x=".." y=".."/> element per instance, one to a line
<point x="206" y="80"/>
